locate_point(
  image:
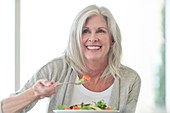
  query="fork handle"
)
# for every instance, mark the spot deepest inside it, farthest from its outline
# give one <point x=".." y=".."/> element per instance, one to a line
<point x="65" y="83"/>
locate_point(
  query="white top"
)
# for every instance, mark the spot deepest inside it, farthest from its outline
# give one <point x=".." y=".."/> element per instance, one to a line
<point x="82" y="94"/>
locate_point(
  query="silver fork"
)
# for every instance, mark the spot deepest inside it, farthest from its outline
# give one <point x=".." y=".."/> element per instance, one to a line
<point x="68" y="83"/>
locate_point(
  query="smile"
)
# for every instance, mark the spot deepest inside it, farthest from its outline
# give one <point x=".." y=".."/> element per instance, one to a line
<point x="93" y="47"/>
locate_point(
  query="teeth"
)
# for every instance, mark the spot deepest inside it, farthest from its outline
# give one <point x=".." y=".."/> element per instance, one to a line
<point x="93" y="47"/>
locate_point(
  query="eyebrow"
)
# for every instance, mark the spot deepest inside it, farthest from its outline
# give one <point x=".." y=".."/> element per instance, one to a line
<point x="103" y="28"/>
<point x="97" y="28"/>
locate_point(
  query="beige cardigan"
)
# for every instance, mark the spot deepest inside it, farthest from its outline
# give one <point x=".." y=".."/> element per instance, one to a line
<point x="125" y="91"/>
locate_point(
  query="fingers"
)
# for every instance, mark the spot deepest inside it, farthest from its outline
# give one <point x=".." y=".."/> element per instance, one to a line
<point x="55" y="84"/>
<point x="47" y="83"/>
<point x="44" y="88"/>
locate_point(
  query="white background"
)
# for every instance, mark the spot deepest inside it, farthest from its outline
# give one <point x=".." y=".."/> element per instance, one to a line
<point x="45" y="26"/>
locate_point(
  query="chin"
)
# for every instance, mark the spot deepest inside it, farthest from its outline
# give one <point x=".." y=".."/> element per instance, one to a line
<point x="92" y="58"/>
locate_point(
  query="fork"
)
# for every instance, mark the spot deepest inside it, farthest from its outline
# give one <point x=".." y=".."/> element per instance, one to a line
<point x="79" y="82"/>
<point x="75" y="83"/>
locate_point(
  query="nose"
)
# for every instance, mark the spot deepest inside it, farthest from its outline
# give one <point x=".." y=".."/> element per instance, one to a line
<point x="93" y="38"/>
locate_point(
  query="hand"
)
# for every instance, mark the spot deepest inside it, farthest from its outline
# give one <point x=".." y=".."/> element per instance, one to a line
<point x="44" y="88"/>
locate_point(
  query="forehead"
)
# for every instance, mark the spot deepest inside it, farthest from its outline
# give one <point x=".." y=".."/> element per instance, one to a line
<point x="97" y="20"/>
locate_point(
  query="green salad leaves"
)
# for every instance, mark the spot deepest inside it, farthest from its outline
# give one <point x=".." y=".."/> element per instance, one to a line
<point x="100" y="105"/>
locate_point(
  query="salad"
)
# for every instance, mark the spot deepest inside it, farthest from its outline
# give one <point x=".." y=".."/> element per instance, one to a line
<point x="100" y="105"/>
<point x="84" y="79"/>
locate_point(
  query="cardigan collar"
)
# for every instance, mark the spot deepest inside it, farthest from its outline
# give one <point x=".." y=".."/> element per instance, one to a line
<point x="115" y="94"/>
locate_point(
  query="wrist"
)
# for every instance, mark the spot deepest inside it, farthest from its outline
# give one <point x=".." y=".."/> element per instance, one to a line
<point x="34" y="94"/>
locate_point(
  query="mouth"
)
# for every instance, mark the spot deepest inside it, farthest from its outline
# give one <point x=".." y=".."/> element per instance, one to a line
<point x="93" y="47"/>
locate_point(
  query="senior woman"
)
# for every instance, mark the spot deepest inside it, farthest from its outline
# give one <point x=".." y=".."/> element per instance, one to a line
<point x="94" y="49"/>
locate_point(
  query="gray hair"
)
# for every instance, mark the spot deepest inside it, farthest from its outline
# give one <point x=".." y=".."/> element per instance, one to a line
<point x="74" y="54"/>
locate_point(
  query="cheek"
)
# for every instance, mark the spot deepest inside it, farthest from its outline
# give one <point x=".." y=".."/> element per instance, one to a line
<point x="83" y="40"/>
<point x="105" y="41"/>
<point x="107" y="44"/>
<point x="83" y="43"/>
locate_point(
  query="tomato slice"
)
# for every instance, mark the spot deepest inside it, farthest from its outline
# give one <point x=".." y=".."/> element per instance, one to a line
<point x="67" y="108"/>
<point x="86" y="77"/>
<point x="107" y="108"/>
<point x="76" y="107"/>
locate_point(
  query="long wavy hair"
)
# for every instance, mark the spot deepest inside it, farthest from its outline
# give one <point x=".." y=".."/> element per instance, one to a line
<point x="74" y="53"/>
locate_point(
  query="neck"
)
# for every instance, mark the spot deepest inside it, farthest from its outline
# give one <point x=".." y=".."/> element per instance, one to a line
<point x="96" y="68"/>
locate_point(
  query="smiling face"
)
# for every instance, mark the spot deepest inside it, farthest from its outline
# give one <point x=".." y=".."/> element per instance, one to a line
<point x="96" y="39"/>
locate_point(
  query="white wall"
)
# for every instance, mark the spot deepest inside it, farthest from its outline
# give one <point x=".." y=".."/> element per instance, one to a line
<point x="7" y="31"/>
<point x="45" y="26"/>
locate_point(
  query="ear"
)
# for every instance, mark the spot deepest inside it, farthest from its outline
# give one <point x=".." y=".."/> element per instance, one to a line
<point x="112" y="43"/>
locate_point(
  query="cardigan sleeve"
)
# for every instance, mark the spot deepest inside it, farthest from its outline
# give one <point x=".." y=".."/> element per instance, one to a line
<point x="133" y="96"/>
<point x="43" y="73"/>
<point x="51" y="71"/>
<point x="0" y="106"/>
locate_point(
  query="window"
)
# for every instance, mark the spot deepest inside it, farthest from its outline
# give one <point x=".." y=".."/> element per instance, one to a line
<point x="7" y="36"/>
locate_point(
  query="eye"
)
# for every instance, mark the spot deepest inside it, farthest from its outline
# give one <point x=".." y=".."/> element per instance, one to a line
<point x="100" y="31"/>
<point x="86" y="31"/>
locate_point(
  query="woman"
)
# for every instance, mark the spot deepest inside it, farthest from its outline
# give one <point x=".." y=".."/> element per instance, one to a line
<point x="94" y="49"/>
